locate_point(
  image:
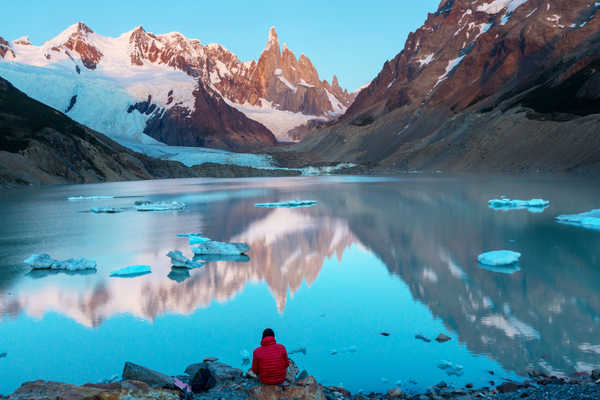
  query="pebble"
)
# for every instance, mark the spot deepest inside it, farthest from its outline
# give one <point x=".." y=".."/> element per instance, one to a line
<point x="441" y="338"/>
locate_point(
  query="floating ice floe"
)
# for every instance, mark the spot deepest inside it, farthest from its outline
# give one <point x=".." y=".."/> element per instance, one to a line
<point x="189" y="234"/>
<point x="589" y="220"/>
<point x="212" y="247"/>
<point x="289" y="204"/>
<point x="160" y="206"/>
<point x="499" y="257"/>
<point x="180" y="261"/>
<point x="79" y="198"/>
<point x="105" y="210"/>
<point x="197" y="240"/>
<point x="44" y="261"/>
<point x="132" y="271"/>
<point x="451" y="369"/>
<point x="505" y="204"/>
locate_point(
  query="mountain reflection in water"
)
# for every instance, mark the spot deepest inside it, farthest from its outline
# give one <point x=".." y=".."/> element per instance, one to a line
<point x="427" y="232"/>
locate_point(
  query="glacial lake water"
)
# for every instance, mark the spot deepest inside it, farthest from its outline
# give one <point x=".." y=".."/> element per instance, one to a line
<point x="394" y="255"/>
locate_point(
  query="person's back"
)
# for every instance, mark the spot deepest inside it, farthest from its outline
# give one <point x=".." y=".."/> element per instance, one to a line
<point x="270" y="360"/>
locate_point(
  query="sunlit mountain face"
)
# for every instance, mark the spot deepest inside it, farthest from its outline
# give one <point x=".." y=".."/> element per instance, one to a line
<point x="374" y="255"/>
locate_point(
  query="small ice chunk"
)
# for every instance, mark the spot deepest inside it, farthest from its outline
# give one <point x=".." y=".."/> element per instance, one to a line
<point x="289" y="204"/>
<point x="180" y="261"/>
<point x="105" y="210"/>
<point x="79" y="198"/>
<point x="589" y="220"/>
<point x="197" y="240"/>
<point x="450" y="368"/>
<point x="44" y="261"/>
<point x="212" y="247"/>
<point x="189" y="234"/>
<point x="161" y="206"/>
<point x="132" y="271"/>
<point x="499" y="257"/>
<point x="506" y="204"/>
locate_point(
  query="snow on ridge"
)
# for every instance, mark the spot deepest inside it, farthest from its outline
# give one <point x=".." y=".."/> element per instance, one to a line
<point x="452" y="64"/>
<point x="338" y="107"/>
<point x="426" y="60"/>
<point x="287" y="83"/>
<point x="277" y="121"/>
<point x="498" y="5"/>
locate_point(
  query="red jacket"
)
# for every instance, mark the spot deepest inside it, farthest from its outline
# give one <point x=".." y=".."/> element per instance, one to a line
<point x="270" y="362"/>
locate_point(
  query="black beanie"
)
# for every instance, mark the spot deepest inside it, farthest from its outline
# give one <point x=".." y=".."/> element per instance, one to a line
<point x="268" y="332"/>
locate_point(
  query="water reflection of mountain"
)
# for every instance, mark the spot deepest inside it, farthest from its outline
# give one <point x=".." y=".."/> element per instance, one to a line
<point x="427" y="232"/>
<point x="288" y="247"/>
<point x="547" y="315"/>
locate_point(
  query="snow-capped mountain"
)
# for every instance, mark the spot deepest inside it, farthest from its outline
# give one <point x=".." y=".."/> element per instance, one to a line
<point x="493" y="84"/>
<point x="141" y="87"/>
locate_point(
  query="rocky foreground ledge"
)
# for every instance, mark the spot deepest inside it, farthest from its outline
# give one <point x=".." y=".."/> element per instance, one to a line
<point x="214" y="380"/>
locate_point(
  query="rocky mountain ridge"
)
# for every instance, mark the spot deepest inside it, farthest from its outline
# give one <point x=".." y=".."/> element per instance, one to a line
<point x="502" y="85"/>
<point x="194" y="94"/>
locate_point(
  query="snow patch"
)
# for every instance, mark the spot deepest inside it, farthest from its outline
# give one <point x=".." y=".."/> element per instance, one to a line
<point x="452" y="64"/>
<point x="425" y="60"/>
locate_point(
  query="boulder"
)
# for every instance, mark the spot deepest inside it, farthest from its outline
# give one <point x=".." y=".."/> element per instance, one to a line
<point x="508" y="387"/>
<point x="221" y="372"/>
<point x="43" y="390"/>
<point x="441" y="338"/>
<point x="150" y="377"/>
<point x="211" y="359"/>
<point x="203" y="379"/>
<point x="305" y="389"/>
<point x="596" y="374"/>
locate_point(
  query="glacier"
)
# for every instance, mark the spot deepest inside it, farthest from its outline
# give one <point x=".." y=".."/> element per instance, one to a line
<point x="131" y="271"/>
<point x="289" y="204"/>
<point x="589" y="220"/>
<point x="499" y="257"/>
<point x="44" y="261"/>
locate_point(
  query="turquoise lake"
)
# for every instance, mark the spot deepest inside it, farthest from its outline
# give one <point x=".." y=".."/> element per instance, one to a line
<point x="374" y="255"/>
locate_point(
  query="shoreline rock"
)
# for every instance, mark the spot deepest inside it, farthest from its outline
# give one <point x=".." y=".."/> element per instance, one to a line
<point x="213" y="380"/>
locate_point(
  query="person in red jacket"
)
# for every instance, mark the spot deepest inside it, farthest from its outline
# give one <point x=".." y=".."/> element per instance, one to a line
<point x="270" y="360"/>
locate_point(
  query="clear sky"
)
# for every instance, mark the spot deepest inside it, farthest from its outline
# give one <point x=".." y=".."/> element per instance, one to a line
<point x="350" y="38"/>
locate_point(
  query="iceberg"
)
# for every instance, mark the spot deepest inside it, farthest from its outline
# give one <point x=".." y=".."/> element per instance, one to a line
<point x="161" y="206"/>
<point x="79" y="198"/>
<point x="499" y="257"/>
<point x="44" y="261"/>
<point x="131" y="271"/>
<point x="505" y="204"/>
<point x="589" y="220"/>
<point x="190" y="234"/>
<point x="197" y="240"/>
<point x="212" y="247"/>
<point x="289" y="204"/>
<point x="105" y="210"/>
<point x="178" y="260"/>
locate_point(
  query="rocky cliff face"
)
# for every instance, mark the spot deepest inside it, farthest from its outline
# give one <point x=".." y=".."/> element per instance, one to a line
<point x="195" y="89"/>
<point x="498" y="85"/>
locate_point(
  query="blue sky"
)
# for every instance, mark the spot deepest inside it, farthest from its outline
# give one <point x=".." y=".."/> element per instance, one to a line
<point x="351" y="39"/>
